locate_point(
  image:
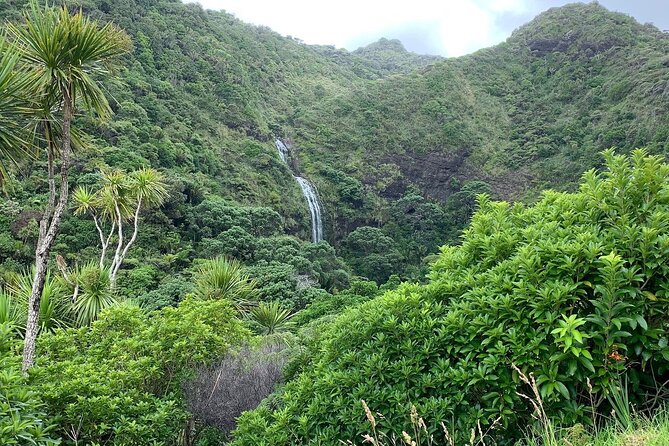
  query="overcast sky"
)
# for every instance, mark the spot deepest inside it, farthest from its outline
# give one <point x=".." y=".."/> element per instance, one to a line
<point x="444" y="27"/>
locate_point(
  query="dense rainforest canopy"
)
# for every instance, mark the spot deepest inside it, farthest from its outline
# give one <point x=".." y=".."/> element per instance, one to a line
<point x="203" y="95"/>
<point x="184" y="252"/>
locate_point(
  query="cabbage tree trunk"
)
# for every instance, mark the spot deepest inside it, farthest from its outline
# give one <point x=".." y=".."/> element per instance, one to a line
<point x="48" y="230"/>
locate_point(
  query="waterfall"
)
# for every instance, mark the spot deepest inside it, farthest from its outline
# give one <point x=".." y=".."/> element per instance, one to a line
<point x="283" y="150"/>
<point x="309" y="192"/>
<point x="314" y="208"/>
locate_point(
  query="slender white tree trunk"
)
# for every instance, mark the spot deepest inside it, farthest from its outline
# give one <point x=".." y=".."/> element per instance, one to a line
<point x="105" y="245"/>
<point x="124" y="253"/>
<point x="49" y="226"/>
<point x="119" y="246"/>
<point x="103" y="241"/>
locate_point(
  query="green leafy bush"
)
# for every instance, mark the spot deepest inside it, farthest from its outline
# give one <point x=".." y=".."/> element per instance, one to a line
<point x="572" y="289"/>
<point x="211" y="217"/>
<point x="168" y="293"/>
<point x="22" y="416"/>
<point x="137" y="281"/>
<point x="324" y="304"/>
<point x="372" y="253"/>
<point x="118" y="381"/>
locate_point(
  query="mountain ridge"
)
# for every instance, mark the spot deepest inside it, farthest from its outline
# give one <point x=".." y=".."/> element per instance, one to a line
<point x="488" y="75"/>
<point x="427" y="289"/>
<point x="204" y="95"/>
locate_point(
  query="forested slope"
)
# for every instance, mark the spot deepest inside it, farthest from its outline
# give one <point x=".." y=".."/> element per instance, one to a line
<point x="397" y="144"/>
<point x="201" y="97"/>
<point x="531" y="112"/>
<point x="398" y="306"/>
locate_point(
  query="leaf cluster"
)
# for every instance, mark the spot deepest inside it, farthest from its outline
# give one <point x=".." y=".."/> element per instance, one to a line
<point x="572" y="289"/>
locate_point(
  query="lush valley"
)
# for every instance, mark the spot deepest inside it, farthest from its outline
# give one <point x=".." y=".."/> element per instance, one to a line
<point x="183" y="287"/>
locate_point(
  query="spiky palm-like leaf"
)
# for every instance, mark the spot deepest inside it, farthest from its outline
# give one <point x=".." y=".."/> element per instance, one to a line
<point x="54" y="305"/>
<point x="64" y="52"/>
<point x="148" y="185"/>
<point x="125" y="191"/>
<point x="85" y="200"/>
<point x="271" y="317"/>
<point x="94" y="293"/>
<point x="12" y="312"/>
<point x="223" y="278"/>
<point x="14" y="112"/>
<point x="114" y="196"/>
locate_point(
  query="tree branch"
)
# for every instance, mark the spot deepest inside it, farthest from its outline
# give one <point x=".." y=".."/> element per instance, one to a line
<point x="132" y="239"/>
<point x="106" y="244"/>
<point x="102" y="238"/>
<point x="119" y="245"/>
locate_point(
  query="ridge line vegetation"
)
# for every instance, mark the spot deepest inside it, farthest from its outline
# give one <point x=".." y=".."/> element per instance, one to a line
<point x="178" y="301"/>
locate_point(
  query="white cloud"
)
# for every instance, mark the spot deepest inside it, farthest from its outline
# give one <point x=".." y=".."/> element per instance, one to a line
<point x="461" y="26"/>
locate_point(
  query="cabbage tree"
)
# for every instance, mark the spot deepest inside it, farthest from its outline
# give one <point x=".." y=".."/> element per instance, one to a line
<point x="223" y="278"/>
<point x="116" y="204"/>
<point x="62" y="54"/>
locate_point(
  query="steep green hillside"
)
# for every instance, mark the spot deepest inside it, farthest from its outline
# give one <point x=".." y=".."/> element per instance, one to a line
<point x="403" y="149"/>
<point x="397" y="144"/>
<point x="529" y="113"/>
<point x="202" y="97"/>
<point x="202" y="91"/>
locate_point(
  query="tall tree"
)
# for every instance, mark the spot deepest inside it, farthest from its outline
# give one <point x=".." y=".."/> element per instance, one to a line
<point x="63" y="54"/>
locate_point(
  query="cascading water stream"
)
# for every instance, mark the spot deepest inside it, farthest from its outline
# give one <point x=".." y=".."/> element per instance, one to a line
<point x="283" y="150"/>
<point x="309" y="192"/>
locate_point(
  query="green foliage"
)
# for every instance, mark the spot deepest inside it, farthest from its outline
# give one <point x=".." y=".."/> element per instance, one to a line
<point x="651" y="431"/>
<point x="13" y="116"/>
<point x="325" y="304"/>
<point x="372" y="253"/>
<point x="530" y="113"/>
<point x="65" y="53"/>
<point x="119" y="200"/>
<point x="213" y="217"/>
<point x="390" y="56"/>
<point x="55" y="307"/>
<point x="270" y="318"/>
<point x="285" y="268"/>
<point x="75" y="301"/>
<point x="118" y="381"/>
<point x="22" y="415"/>
<point x="276" y="281"/>
<point x="222" y="278"/>
<point x="125" y="191"/>
<point x="134" y="282"/>
<point x="168" y="293"/>
<point x="234" y="242"/>
<point x="571" y="289"/>
<point x="202" y="92"/>
<point x="92" y="293"/>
